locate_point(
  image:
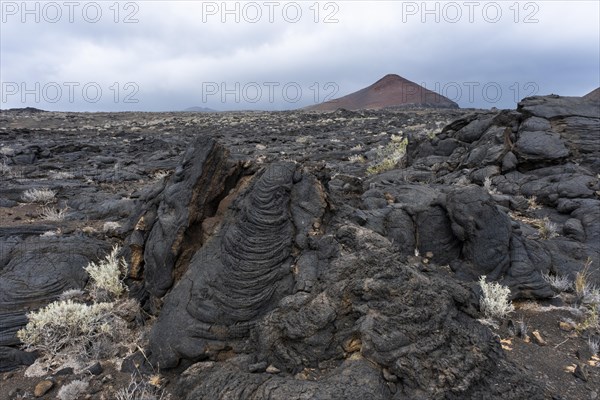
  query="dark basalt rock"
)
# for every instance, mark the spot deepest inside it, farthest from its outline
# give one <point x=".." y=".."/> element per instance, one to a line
<point x="13" y="358"/>
<point x="368" y="313"/>
<point x="172" y="220"/>
<point x="39" y="269"/>
<point x="484" y="230"/>
<point x="354" y="379"/>
<point x="536" y="146"/>
<point x="279" y="283"/>
<point x="549" y="150"/>
<point x="34" y="271"/>
<point x="309" y="277"/>
<point x="551" y="107"/>
<point x="241" y="270"/>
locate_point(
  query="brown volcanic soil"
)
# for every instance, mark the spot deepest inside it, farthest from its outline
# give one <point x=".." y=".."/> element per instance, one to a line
<point x="555" y="361"/>
<point x="388" y="92"/>
<point x="593" y="95"/>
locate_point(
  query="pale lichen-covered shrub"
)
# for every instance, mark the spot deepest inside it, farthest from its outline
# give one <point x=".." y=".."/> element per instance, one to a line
<point x="72" y="294"/>
<point x="594" y="345"/>
<point x="43" y="195"/>
<point x="72" y="333"/>
<point x="65" y="328"/>
<point x="140" y="389"/>
<point x="110" y="226"/>
<point x="60" y="175"/>
<point x="73" y="390"/>
<point x="547" y="229"/>
<point x="71" y="327"/>
<point x="560" y="283"/>
<point x="494" y="301"/>
<point x="106" y="282"/>
<point x="584" y="290"/>
<point x="53" y="214"/>
<point x="5" y="169"/>
<point x="390" y="155"/>
<point x="356" y="158"/>
<point x="487" y="185"/>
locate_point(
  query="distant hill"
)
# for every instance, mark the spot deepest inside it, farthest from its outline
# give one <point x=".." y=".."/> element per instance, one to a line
<point x="391" y="91"/>
<point x="593" y="95"/>
<point x="199" y="109"/>
<point x="25" y="110"/>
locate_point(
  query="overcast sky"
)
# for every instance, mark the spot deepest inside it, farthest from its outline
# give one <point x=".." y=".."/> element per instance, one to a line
<point x="276" y="55"/>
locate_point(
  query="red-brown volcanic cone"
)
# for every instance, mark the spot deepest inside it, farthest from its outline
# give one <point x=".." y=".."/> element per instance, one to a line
<point x="593" y="95"/>
<point x="389" y="92"/>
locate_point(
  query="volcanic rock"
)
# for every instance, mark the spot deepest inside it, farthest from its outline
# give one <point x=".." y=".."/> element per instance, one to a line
<point x="262" y="240"/>
<point x="271" y="282"/>
<point x="35" y="270"/>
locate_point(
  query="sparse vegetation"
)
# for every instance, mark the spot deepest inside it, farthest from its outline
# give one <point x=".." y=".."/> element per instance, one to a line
<point x="53" y="214"/>
<point x="142" y="389"/>
<point x="494" y="302"/>
<point x="159" y="175"/>
<point x="532" y="203"/>
<point x="594" y="345"/>
<point x="410" y="196"/>
<point x="304" y="139"/>
<point x="389" y="156"/>
<point x="587" y="296"/>
<point x="5" y="170"/>
<point x="559" y="283"/>
<point x="60" y="175"/>
<point x="487" y="185"/>
<point x="72" y="294"/>
<point x="72" y="390"/>
<point x="110" y="226"/>
<point x="43" y="195"/>
<point x="592" y="318"/>
<point x="356" y="158"/>
<point x="584" y="290"/>
<point x="67" y="329"/>
<point x="547" y="229"/>
<point x="6" y="150"/>
<point x="105" y="276"/>
<point x="55" y="233"/>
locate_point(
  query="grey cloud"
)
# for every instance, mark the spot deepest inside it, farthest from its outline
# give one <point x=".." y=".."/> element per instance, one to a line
<point x="172" y="55"/>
